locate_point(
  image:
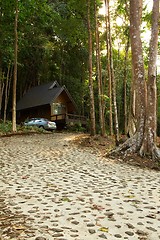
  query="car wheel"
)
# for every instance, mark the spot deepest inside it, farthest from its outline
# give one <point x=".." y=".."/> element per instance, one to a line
<point x="42" y="127"/>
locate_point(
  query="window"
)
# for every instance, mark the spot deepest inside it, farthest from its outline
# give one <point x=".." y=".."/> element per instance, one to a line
<point x="58" y="108"/>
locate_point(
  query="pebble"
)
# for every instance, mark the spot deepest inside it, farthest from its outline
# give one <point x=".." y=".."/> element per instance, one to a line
<point x="118" y="236"/>
<point x="130" y="225"/>
<point x="129" y="233"/>
<point x="91" y="231"/>
<point x="103" y="236"/>
<point x="50" y="189"/>
<point x="40" y="238"/>
<point x="90" y="225"/>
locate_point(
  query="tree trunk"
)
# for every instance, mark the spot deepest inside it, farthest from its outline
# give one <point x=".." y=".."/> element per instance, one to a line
<point x="1" y="88"/>
<point x="99" y="77"/>
<point x="7" y="91"/>
<point x="131" y="127"/>
<point x="125" y="87"/>
<point x="91" y="92"/>
<point x="14" y="128"/>
<point x="149" y="140"/>
<point x="134" y="143"/>
<point x="113" y="83"/>
<point x="144" y="140"/>
<point x="109" y="71"/>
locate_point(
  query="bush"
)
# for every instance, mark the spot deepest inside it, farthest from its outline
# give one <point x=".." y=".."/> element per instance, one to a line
<point x="76" y="127"/>
<point x="5" y="127"/>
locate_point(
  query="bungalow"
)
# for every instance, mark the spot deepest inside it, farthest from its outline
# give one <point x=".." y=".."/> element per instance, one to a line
<point x="49" y="101"/>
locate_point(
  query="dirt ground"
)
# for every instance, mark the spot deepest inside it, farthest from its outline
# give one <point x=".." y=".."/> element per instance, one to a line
<point x="104" y="144"/>
<point x="57" y="186"/>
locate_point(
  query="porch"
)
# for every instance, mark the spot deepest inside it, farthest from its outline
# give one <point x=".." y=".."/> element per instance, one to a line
<point x="69" y="119"/>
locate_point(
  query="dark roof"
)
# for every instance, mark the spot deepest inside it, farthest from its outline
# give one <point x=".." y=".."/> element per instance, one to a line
<point x="42" y="95"/>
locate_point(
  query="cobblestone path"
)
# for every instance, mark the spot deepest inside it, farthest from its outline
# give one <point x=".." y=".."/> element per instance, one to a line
<point x="51" y="189"/>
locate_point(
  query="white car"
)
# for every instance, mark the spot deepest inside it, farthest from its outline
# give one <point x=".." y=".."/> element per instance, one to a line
<point x="41" y="123"/>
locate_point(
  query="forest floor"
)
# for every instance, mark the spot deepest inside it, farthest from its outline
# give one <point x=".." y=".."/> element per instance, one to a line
<point x="104" y="144"/>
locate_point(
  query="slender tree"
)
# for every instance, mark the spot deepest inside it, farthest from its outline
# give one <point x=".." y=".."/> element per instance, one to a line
<point x="112" y="77"/>
<point x="14" y="128"/>
<point x="91" y="92"/>
<point x="1" y="89"/>
<point x="109" y="70"/>
<point x="7" y="90"/>
<point x="99" y="75"/>
<point x="125" y="87"/>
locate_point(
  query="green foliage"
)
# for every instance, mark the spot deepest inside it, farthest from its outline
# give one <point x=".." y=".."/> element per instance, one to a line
<point x="53" y="45"/>
<point x="5" y="127"/>
<point x="6" y="30"/>
<point x="76" y="127"/>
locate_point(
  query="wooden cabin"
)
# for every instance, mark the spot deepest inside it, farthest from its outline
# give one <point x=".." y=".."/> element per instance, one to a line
<point x="49" y="101"/>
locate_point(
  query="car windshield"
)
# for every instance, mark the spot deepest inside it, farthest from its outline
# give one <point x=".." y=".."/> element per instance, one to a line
<point x="35" y="119"/>
<point x="28" y="120"/>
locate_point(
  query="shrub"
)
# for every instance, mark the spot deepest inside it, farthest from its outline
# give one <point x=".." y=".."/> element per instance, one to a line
<point x="76" y="127"/>
<point x="5" y="127"/>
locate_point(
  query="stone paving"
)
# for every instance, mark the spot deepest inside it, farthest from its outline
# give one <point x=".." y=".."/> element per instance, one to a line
<point x="51" y="189"/>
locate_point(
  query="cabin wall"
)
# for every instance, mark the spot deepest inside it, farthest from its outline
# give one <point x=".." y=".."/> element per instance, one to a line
<point x="64" y="99"/>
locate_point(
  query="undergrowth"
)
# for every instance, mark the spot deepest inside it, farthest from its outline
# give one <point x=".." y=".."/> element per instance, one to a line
<point x="6" y="128"/>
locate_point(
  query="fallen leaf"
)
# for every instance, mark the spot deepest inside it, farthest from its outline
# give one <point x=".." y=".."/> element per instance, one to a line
<point x="65" y="199"/>
<point x="103" y="229"/>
